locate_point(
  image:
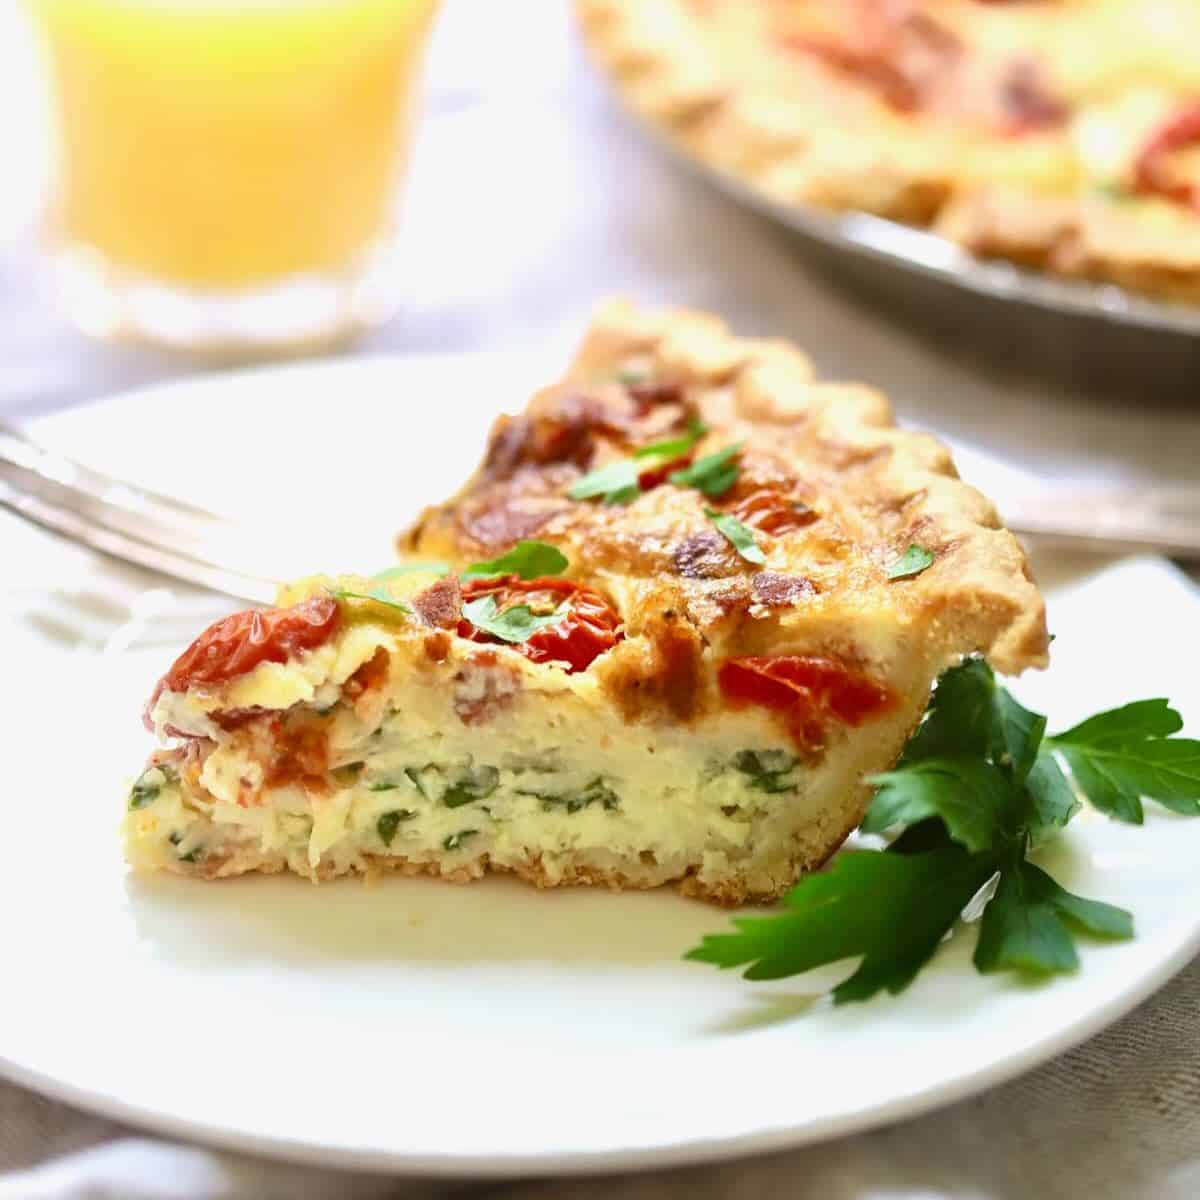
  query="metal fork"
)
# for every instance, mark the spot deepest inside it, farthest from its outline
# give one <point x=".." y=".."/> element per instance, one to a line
<point x="180" y="540"/>
<point x="131" y="523"/>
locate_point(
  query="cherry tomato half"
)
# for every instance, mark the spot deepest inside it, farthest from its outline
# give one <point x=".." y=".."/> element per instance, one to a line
<point x="1152" y="176"/>
<point x="589" y="628"/>
<point x="773" y="512"/>
<point x="808" y="690"/>
<point x="238" y="643"/>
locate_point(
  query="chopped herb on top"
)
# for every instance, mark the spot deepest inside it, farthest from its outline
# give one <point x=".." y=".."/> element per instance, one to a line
<point x="455" y="840"/>
<point x="518" y="623"/>
<point x="374" y="596"/>
<point x="528" y="559"/>
<point x="737" y="534"/>
<point x="912" y="562"/>
<point x="979" y="784"/>
<point x="714" y="474"/>
<point x="617" y="482"/>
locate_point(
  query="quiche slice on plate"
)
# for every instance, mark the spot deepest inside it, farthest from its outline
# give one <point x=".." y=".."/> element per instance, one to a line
<point x="690" y="602"/>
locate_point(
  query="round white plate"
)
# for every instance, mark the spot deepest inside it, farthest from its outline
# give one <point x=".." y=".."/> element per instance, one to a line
<point x="490" y="1029"/>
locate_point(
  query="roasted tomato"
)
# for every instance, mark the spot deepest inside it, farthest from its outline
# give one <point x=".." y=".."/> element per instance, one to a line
<point x="809" y="691"/>
<point x="589" y="628"/>
<point x="773" y="511"/>
<point x="1151" y="170"/>
<point x="237" y="644"/>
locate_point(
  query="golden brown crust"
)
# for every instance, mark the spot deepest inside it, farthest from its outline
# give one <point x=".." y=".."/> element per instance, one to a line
<point x="873" y="491"/>
<point x="983" y="121"/>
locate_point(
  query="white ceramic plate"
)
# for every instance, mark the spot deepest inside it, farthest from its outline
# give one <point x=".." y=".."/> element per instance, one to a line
<point x="491" y="1029"/>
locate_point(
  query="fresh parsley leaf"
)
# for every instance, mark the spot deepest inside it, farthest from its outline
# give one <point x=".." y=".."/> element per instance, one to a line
<point x="1115" y="726"/>
<point x="1016" y="734"/>
<point x="738" y="536"/>
<point x="670" y="448"/>
<point x="1025" y="925"/>
<point x="375" y="595"/>
<point x="975" y="799"/>
<point x="1052" y="799"/>
<point x="1124" y="754"/>
<point x="970" y="715"/>
<point x="713" y="474"/>
<point x="528" y="559"/>
<point x="617" y="482"/>
<point x="891" y="909"/>
<point x="416" y="568"/>
<point x="912" y="562"/>
<point x="389" y="822"/>
<point x="614" y="483"/>
<point x="515" y="624"/>
<point x="978" y="785"/>
<point x="958" y="720"/>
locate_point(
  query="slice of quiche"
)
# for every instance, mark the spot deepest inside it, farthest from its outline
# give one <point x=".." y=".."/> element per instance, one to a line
<point x="689" y="603"/>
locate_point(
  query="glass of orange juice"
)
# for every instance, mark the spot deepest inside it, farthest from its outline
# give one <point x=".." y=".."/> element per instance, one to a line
<point x="228" y="169"/>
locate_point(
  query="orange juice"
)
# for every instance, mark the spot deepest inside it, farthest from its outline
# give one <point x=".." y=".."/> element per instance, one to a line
<point x="221" y="145"/>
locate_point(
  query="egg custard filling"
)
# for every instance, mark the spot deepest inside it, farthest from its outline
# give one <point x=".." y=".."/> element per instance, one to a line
<point x="689" y="604"/>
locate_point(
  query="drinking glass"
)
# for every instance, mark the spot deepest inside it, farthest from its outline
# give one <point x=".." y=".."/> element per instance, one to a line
<point x="227" y="170"/>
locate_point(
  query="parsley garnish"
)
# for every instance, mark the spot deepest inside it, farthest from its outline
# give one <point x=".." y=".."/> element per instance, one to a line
<point x="714" y="474"/>
<point x="737" y="534"/>
<point x="517" y="623"/>
<point x="455" y="840"/>
<point x="1120" y="756"/>
<point x="979" y="784"/>
<point x="617" y="482"/>
<point x="528" y="559"/>
<point x="374" y="596"/>
<point x="912" y="562"/>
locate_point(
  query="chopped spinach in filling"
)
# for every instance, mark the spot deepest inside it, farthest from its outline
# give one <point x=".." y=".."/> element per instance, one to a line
<point x="148" y="785"/>
<point x="390" y="821"/>
<point x="770" y="771"/>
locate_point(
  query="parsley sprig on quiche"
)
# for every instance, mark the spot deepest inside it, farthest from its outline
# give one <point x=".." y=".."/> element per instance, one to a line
<point x="689" y="672"/>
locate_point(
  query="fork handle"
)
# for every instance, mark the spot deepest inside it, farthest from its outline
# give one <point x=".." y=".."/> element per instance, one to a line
<point x="1164" y="520"/>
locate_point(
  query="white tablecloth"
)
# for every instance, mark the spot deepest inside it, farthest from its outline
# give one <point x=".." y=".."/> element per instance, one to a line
<point x="530" y="199"/>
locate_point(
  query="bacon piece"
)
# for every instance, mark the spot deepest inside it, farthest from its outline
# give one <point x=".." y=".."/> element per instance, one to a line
<point x="1027" y="102"/>
<point x="440" y="604"/>
<point x="780" y="590"/>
